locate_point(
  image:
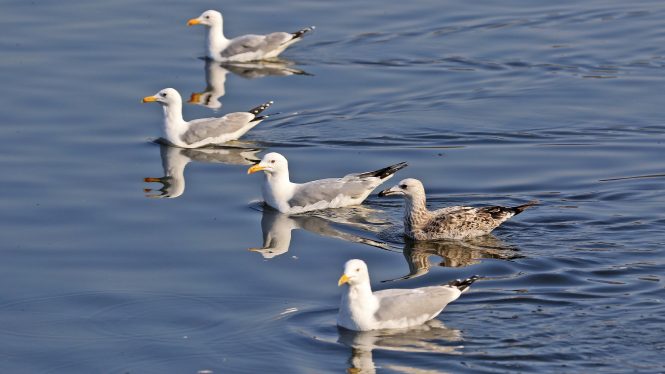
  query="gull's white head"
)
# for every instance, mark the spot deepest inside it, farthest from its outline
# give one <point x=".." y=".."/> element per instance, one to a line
<point x="355" y="272"/>
<point x="167" y="96"/>
<point x="208" y="18"/>
<point x="271" y="163"/>
<point x="408" y="188"/>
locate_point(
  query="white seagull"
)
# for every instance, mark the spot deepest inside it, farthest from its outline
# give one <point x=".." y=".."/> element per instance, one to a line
<point x="204" y="131"/>
<point x="246" y="47"/>
<point x="287" y="197"/>
<point x="364" y="310"/>
<point x="455" y="222"/>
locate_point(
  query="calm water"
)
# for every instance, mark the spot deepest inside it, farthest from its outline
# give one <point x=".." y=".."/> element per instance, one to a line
<point x="490" y="103"/>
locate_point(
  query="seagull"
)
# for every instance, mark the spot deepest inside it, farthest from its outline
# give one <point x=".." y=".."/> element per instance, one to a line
<point x="246" y="47"/>
<point x="455" y="222"/>
<point x="204" y="131"/>
<point x="291" y="198"/>
<point x="364" y="310"/>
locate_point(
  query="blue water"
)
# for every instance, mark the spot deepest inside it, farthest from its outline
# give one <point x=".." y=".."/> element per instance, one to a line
<point x="490" y="102"/>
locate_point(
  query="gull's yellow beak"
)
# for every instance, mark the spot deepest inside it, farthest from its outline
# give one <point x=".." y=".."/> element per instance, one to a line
<point x="195" y="98"/>
<point x="193" y="22"/>
<point x="149" y="99"/>
<point x="255" y="168"/>
<point x="343" y="279"/>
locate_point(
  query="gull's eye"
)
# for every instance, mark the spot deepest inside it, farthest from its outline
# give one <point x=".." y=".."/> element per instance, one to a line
<point x="207" y="17"/>
<point x="272" y="161"/>
<point x="357" y="270"/>
<point x="403" y="186"/>
<point x="163" y="94"/>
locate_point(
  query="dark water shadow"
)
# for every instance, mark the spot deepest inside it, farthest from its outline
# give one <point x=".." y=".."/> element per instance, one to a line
<point x="174" y="161"/>
<point x="431" y="337"/>
<point x="277" y="227"/>
<point x="216" y="72"/>
<point x="453" y="253"/>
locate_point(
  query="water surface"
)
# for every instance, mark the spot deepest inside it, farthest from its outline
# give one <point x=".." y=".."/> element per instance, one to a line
<point x="489" y="103"/>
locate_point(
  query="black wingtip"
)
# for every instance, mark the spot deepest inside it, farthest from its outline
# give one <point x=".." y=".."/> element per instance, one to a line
<point x="386" y="172"/>
<point x="300" y="33"/>
<point x="520" y="208"/>
<point x="261" y="108"/>
<point x="464" y="284"/>
<point x="257" y="110"/>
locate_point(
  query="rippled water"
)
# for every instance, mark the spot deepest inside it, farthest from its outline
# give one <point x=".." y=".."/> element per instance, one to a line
<point x="489" y="102"/>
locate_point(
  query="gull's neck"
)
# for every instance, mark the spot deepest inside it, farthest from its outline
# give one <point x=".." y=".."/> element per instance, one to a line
<point x="174" y="124"/>
<point x="415" y="212"/>
<point x="359" y="306"/>
<point x="361" y="294"/>
<point x="216" y="41"/>
<point x="278" y="190"/>
<point x="278" y="178"/>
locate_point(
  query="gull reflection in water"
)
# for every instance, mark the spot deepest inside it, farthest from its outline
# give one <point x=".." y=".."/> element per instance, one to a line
<point x="431" y="337"/>
<point x="174" y="161"/>
<point x="216" y="77"/>
<point x="277" y="227"/>
<point x="453" y="253"/>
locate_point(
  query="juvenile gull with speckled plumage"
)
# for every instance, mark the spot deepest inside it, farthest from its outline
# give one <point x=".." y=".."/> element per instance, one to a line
<point x="287" y="197"/>
<point x="363" y="310"/>
<point x="455" y="222"/>
<point x="204" y="131"/>
<point x="246" y="47"/>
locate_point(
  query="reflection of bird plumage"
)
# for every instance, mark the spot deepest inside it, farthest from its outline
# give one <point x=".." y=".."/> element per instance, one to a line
<point x="276" y="228"/>
<point x="203" y="131"/>
<point x="453" y="253"/>
<point x="215" y="73"/>
<point x="362" y="310"/>
<point x="456" y="222"/>
<point x="246" y="47"/>
<point x="174" y="161"/>
<point x="260" y="69"/>
<point x="287" y="197"/>
<point x="215" y="86"/>
<point x="430" y="337"/>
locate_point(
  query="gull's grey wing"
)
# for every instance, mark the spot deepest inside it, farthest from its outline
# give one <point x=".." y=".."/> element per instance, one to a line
<point x="256" y="43"/>
<point x="352" y="186"/>
<point x="395" y="304"/>
<point x="210" y="128"/>
<point x="328" y="189"/>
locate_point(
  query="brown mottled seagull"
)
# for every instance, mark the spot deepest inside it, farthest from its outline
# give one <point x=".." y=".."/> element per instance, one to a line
<point x="455" y="222"/>
<point x="362" y="310"/>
